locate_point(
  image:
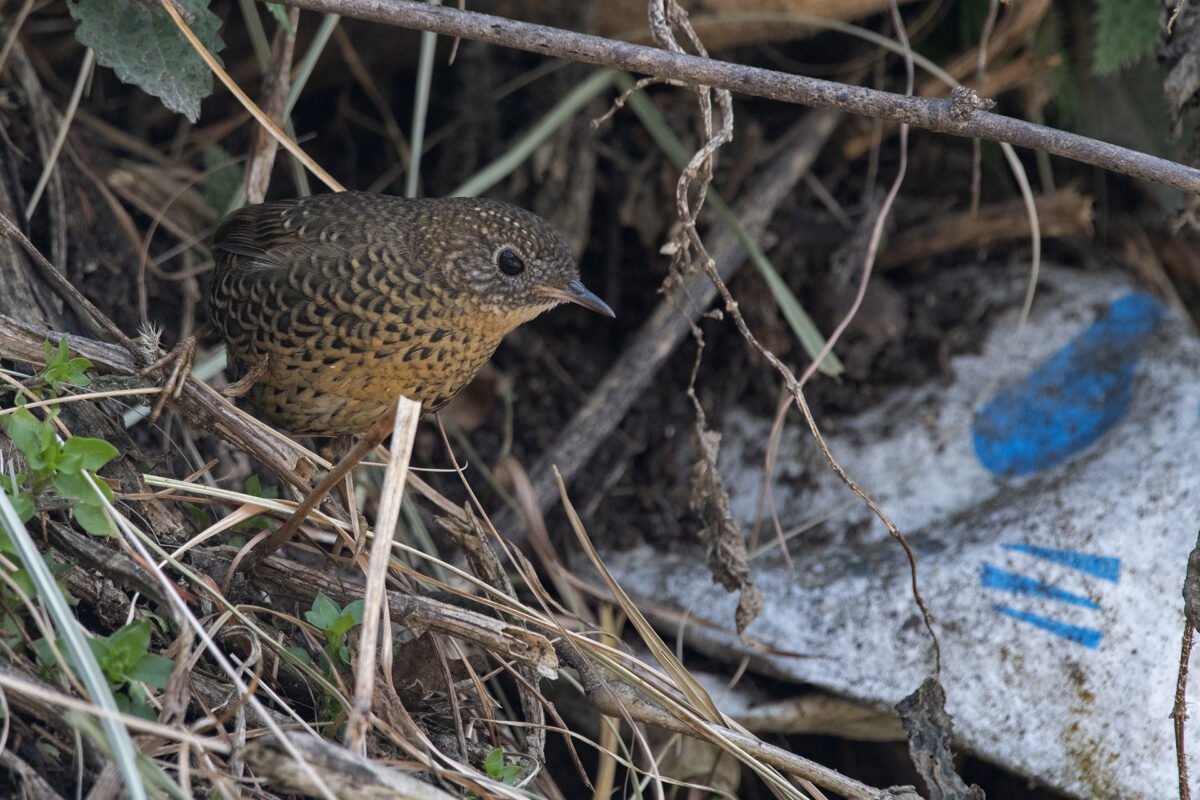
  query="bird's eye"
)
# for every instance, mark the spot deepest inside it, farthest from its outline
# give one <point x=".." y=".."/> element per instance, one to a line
<point x="509" y="262"/>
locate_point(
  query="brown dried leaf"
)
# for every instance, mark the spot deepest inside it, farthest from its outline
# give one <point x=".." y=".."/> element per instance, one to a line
<point x="923" y="714"/>
<point x="727" y="557"/>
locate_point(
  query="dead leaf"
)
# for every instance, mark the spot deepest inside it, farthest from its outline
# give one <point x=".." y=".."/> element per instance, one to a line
<point x="727" y="557"/>
<point x="923" y="714"/>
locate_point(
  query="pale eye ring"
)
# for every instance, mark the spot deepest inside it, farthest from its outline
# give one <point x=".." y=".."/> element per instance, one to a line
<point x="509" y="262"/>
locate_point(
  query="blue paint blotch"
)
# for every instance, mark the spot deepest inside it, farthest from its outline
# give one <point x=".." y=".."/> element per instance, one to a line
<point x="1105" y="567"/>
<point x="1072" y="399"/>
<point x="1088" y="637"/>
<point x="996" y="578"/>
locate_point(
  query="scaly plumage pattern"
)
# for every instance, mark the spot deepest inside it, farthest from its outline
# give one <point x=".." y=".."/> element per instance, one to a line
<point x="355" y="298"/>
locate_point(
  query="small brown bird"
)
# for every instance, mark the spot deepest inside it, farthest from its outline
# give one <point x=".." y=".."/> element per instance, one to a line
<point x="336" y="304"/>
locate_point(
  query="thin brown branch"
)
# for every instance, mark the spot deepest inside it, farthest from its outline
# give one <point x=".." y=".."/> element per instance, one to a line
<point x="939" y="115"/>
<point x="274" y="94"/>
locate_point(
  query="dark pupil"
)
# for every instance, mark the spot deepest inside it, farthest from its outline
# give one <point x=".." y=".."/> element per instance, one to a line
<point x="510" y="263"/>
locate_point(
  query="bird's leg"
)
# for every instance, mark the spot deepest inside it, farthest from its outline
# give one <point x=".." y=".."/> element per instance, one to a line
<point x="340" y="470"/>
<point x="247" y="381"/>
<point x="180" y="359"/>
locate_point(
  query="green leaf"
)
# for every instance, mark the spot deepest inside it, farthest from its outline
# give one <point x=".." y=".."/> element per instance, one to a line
<point x="493" y="762"/>
<point x="1125" y="33"/>
<point x="12" y="482"/>
<point x="45" y="655"/>
<point x="254" y="487"/>
<point x="152" y="669"/>
<point x="74" y="486"/>
<point x="496" y="768"/>
<point x="78" y="371"/>
<point x="224" y="178"/>
<point x="340" y="626"/>
<point x="24" y="582"/>
<point x="81" y="452"/>
<point x="140" y="704"/>
<point x="299" y="653"/>
<point x="25" y="508"/>
<point x="281" y="16"/>
<point x="197" y="514"/>
<point x="93" y="520"/>
<point x="140" y="42"/>
<point x="355" y="611"/>
<point x="100" y="648"/>
<point x="34" y="438"/>
<point x="135" y="704"/>
<point x="124" y="650"/>
<point x="350" y="616"/>
<point x="324" y="612"/>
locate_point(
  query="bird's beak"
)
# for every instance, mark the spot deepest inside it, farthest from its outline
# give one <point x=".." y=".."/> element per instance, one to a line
<point x="575" y="292"/>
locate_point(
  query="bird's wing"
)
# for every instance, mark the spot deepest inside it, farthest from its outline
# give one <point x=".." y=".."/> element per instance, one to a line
<point x="265" y="244"/>
<point x="285" y="262"/>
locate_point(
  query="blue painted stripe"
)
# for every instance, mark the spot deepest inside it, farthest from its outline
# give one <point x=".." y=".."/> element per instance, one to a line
<point x="1104" y="567"/>
<point x="1088" y="637"/>
<point x="1072" y="399"/>
<point x="996" y="578"/>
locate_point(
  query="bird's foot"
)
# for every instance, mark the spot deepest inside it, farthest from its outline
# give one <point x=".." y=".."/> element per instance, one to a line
<point x="247" y="381"/>
<point x="179" y="360"/>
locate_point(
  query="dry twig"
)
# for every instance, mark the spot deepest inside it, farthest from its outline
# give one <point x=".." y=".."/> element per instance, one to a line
<point x="941" y="116"/>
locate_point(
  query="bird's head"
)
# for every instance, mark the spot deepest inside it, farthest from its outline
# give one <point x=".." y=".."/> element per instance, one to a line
<point x="512" y="261"/>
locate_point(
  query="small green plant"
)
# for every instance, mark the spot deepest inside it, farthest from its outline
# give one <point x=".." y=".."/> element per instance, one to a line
<point x="335" y="622"/>
<point x="498" y="769"/>
<point x="254" y="488"/>
<point x="60" y="371"/>
<point x="127" y="662"/>
<point x="55" y="470"/>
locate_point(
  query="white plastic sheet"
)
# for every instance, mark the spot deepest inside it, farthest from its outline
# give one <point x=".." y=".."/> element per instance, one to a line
<point x="1051" y="524"/>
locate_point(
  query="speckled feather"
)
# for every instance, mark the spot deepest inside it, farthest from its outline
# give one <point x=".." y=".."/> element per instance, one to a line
<point x="356" y="298"/>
